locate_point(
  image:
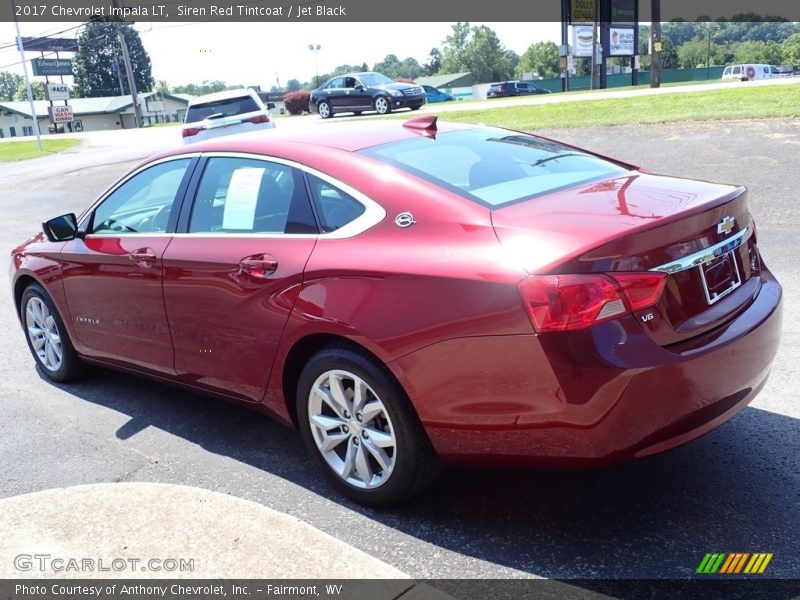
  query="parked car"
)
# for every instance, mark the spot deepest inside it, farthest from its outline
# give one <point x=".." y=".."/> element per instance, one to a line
<point x="436" y="95"/>
<point x="224" y="113"/>
<point x="406" y="294"/>
<point x="361" y="92"/>
<point x="505" y="89"/>
<point x="750" y="72"/>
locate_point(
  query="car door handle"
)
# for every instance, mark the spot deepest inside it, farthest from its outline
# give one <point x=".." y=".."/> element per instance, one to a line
<point x="144" y="257"/>
<point x="260" y="266"/>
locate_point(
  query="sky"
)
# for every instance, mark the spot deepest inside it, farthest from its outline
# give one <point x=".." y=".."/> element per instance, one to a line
<point x="263" y="53"/>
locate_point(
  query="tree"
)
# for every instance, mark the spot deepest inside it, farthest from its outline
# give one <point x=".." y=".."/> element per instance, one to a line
<point x="434" y="63"/>
<point x="99" y="56"/>
<point x="9" y="82"/>
<point x="453" y="46"/>
<point x="540" y="58"/>
<point x="791" y="50"/>
<point x="694" y="53"/>
<point x="292" y="85"/>
<point x="758" y="52"/>
<point x="478" y="50"/>
<point x="162" y="87"/>
<point x="206" y="87"/>
<point x="37" y="90"/>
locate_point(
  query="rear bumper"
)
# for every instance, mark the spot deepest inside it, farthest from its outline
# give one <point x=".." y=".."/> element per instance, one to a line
<point x="605" y="395"/>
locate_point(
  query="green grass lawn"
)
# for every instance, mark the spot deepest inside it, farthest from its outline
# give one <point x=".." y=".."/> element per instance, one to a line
<point x="739" y="103"/>
<point x="10" y="151"/>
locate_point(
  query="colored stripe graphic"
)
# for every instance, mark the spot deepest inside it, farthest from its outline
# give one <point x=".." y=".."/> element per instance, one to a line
<point x="733" y="563"/>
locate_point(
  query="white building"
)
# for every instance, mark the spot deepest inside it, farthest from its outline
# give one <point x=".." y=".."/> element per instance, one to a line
<point x="93" y="114"/>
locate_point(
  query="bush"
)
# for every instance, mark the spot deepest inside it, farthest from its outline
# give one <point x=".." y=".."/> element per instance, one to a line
<point x="297" y="102"/>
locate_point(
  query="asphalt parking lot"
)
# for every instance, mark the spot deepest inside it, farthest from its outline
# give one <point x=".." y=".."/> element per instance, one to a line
<point x="734" y="490"/>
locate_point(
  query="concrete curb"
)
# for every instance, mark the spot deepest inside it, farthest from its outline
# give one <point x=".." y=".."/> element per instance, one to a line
<point x="226" y="537"/>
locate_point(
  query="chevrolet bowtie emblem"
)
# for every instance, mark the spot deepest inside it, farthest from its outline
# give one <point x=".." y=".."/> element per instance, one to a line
<point x="726" y="225"/>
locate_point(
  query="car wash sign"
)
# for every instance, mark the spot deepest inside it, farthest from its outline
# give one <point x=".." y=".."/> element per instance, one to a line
<point x="61" y="114"/>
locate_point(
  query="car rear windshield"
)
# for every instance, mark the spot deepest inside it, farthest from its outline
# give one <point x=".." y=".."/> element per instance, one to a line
<point x="494" y="167"/>
<point x="223" y="108"/>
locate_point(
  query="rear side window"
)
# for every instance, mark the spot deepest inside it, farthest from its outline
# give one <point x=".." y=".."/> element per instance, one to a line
<point x="222" y="108"/>
<point x="240" y="195"/>
<point x="494" y="167"/>
<point x="727" y="71"/>
<point x="737" y="70"/>
<point x="335" y="207"/>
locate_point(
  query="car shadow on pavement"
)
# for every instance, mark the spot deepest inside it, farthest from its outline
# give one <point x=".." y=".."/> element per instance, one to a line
<point x="736" y="489"/>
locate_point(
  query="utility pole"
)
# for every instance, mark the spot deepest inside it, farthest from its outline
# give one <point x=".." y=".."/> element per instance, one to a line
<point x="655" y="59"/>
<point x="595" y="22"/>
<point x="27" y="80"/>
<point x="137" y="112"/>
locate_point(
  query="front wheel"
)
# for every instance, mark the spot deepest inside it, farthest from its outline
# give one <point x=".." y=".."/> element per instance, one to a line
<point x="324" y="110"/>
<point x="47" y="336"/>
<point x="361" y="429"/>
<point x="382" y="105"/>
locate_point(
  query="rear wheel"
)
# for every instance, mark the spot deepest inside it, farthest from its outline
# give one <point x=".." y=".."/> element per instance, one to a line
<point x="324" y="110"/>
<point x="47" y="337"/>
<point x="382" y="105"/>
<point x="361" y="430"/>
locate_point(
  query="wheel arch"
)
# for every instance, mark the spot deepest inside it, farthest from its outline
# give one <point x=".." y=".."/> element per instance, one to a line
<point x="20" y="285"/>
<point x="301" y="352"/>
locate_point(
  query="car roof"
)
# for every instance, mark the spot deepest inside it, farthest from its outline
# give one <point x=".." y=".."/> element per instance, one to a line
<point x="224" y="95"/>
<point x="339" y="136"/>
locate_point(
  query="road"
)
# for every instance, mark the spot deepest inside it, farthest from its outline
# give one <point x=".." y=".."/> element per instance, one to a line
<point x="736" y="489"/>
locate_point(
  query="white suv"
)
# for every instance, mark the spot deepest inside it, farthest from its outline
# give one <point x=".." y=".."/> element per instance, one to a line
<point x="224" y="113"/>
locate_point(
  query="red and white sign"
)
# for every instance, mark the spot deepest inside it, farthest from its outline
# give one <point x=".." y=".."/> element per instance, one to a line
<point x="62" y="114"/>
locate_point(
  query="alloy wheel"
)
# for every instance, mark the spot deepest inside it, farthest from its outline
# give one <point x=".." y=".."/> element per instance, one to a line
<point x="43" y="334"/>
<point x="381" y="105"/>
<point x="352" y="429"/>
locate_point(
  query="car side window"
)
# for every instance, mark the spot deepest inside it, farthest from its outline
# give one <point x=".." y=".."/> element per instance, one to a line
<point x="143" y="203"/>
<point x="350" y="82"/>
<point x="242" y="195"/>
<point x="335" y="207"/>
<point x="337" y="83"/>
<point x="737" y="70"/>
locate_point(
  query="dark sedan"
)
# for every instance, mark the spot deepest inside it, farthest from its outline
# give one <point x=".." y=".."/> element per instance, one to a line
<point x="506" y="89"/>
<point x="360" y="92"/>
<point x="406" y="294"/>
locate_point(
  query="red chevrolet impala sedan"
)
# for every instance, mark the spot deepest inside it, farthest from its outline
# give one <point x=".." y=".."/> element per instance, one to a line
<point x="407" y="294"/>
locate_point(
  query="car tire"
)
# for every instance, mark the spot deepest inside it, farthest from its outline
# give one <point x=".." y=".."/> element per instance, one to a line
<point x="47" y="336"/>
<point x="415" y="107"/>
<point x="357" y="113"/>
<point x="376" y="453"/>
<point x="324" y="109"/>
<point x="382" y="105"/>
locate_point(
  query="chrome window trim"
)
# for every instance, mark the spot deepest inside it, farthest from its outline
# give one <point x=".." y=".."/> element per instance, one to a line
<point x="707" y="254"/>
<point x="373" y="214"/>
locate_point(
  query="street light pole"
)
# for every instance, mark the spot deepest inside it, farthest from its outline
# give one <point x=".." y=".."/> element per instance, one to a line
<point x="27" y="80"/>
<point x="708" y="54"/>
<point x="315" y="48"/>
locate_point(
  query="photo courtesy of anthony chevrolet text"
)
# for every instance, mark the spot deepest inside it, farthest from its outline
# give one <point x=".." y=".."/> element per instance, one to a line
<point x="421" y="300"/>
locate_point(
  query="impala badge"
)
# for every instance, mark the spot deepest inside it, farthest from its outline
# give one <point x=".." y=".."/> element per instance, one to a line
<point x="404" y="219"/>
<point x="726" y="225"/>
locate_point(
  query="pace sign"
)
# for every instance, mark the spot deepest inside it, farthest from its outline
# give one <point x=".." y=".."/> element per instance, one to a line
<point x="56" y="91"/>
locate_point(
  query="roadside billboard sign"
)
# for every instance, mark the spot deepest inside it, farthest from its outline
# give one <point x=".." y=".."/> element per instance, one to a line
<point x="61" y="114"/>
<point x="582" y="40"/>
<point x="582" y="11"/>
<point x="621" y="41"/>
<point x="45" y="67"/>
<point x="56" y="91"/>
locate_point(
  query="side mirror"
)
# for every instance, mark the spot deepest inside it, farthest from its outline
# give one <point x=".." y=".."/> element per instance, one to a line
<point x="61" y="229"/>
<point x="359" y="87"/>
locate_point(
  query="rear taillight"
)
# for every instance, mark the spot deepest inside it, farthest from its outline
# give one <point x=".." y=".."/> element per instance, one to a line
<point x="260" y="119"/>
<point x="190" y="131"/>
<point x="570" y="302"/>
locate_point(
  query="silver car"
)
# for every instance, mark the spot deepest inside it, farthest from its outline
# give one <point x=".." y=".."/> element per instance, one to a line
<point x="225" y="113"/>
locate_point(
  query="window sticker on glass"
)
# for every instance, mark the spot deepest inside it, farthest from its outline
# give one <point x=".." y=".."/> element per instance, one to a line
<point x="241" y="199"/>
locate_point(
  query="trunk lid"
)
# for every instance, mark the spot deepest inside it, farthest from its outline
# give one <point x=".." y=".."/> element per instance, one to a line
<point x="642" y="222"/>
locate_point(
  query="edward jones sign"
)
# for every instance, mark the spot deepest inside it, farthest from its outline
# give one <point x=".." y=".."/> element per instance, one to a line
<point x="61" y="114"/>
